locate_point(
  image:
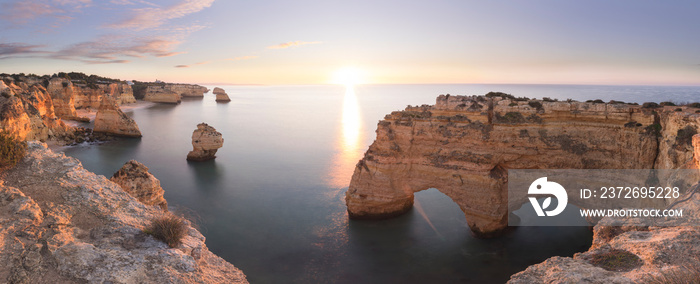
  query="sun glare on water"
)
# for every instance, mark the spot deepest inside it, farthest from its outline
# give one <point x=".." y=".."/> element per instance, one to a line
<point x="348" y="76"/>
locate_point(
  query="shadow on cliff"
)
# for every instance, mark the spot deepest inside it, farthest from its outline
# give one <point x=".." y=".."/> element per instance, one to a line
<point x="206" y="172"/>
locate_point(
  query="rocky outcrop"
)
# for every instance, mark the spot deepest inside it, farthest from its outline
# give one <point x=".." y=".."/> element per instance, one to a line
<point x="69" y="96"/>
<point x="205" y="142"/>
<point x="63" y="224"/>
<point x="135" y="179"/>
<point x="630" y="254"/>
<point x="463" y="146"/>
<point x="221" y="95"/>
<point x="112" y="120"/>
<point x="158" y="94"/>
<point x="27" y="111"/>
<point x="187" y="90"/>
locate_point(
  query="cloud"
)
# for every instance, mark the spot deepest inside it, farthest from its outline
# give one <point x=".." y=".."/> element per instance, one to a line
<point x="145" y="18"/>
<point x="242" y="58"/>
<point x="292" y="44"/>
<point x="187" y="66"/>
<point x="23" y="11"/>
<point x="112" y="49"/>
<point x="15" y="49"/>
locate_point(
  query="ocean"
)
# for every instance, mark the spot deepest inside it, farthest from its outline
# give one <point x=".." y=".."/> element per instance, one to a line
<point x="272" y="203"/>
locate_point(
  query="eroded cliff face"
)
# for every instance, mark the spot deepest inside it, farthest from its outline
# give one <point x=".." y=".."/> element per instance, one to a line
<point x="68" y="96"/>
<point x="112" y="120"/>
<point x="159" y="94"/>
<point x="187" y="90"/>
<point x="464" y="145"/>
<point x="653" y="254"/>
<point x="27" y="111"/>
<point x="63" y="224"/>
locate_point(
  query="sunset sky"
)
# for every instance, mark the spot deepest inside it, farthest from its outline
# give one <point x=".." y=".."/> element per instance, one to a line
<point x="307" y="42"/>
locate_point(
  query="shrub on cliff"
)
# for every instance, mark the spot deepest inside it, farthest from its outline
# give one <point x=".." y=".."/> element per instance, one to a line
<point x="650" y="105"/>
<point x="695" y="105"/>
<point x="616" y="260"/>
<point x="684" y="136"/>
<point x="168" y="228"/>
<point x="12" y="150"/>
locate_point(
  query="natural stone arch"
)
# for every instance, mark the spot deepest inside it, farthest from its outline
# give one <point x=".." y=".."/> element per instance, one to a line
<point x="463" y="146"/>
<point x="484" y="209"/>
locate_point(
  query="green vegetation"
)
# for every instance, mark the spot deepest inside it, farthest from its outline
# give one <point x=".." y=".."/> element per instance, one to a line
<point x="695" y="105"/>
<point x="12" y="150"/>
<point x="650" y="105"/>
<point x="684" y="136"/>
<point x="168" y="228"/>
<point x="598" y="101"/>
<point x="535" y="104"/>
<point x="506" y="96"/>
<point x="511" y="117"/>
<point x="667" y="104"/>
<point x="90" y="81"/>
<point x="653" y="129"/>
<point x="616" y="260"/>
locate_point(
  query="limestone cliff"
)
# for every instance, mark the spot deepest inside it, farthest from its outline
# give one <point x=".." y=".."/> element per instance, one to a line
<point x="112" y="120"/>
<point x="135" y="179"/>
<point x="69" y="96"/>
<point x="187" y="90"/>
<point x="158" y="94"/>
<point x="631" y="254"/>
<point x="63" y="224"/>
<point x="205" y="142"/>
<point x="463" y="146"/>
<point x="27" y="111"/>
<point x="221" y="95"/>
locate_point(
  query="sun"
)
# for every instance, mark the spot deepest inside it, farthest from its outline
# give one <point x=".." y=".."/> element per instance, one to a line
<point x="348" y="76"/>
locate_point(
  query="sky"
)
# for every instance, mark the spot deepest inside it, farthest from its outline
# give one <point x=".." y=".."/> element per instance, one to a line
<point x="381" y="41"/>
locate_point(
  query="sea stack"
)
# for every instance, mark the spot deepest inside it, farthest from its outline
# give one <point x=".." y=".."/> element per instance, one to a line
<point x="135" y="179"/>
<point x="205" y="141"/>
<point x="110" y="119"/>
<point x="221" y="95"/>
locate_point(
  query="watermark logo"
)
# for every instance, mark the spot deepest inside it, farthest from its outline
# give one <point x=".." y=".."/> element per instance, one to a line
<point x="543" y="187"/>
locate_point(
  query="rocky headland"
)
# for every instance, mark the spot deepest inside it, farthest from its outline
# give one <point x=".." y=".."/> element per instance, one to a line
<point x="463" y="146"/>
<point x="33" y="107"/>
<point x="205" y="142"/>
<point x="64" y="224"/>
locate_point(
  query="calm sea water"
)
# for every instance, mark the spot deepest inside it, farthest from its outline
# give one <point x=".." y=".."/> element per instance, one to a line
<point x="272" y="203"/>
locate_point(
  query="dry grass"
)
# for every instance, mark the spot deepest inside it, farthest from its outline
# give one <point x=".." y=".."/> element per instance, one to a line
<point x="616" y="260"/>
<point x="12" y="150"/>
<point x="168" y="228"/>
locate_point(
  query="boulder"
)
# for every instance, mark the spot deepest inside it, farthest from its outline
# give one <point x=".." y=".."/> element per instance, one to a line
<point x="205" y="142"/>
<point x="135" y="179"/>
<point x="110" y="119"/>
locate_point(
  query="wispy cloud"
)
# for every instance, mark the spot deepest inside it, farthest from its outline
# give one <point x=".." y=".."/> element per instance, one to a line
<point x="292" y="44"/>
<point x="145" y="18"/>
<point x="16" y="49"/>
<point x="23" y="11"/>
<point x="247" y="57"/>
<point x="112" y="49"/>
<point x="187" y="66"/>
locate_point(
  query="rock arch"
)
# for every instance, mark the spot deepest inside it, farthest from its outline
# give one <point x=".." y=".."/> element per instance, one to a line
<point x="463" y="146"/>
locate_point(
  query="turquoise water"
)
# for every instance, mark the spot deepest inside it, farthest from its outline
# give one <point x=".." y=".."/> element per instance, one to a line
<point x="272" y="202"/>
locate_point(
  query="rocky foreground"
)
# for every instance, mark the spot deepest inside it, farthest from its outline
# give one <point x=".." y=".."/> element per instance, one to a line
<point x="60" y="223"/>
